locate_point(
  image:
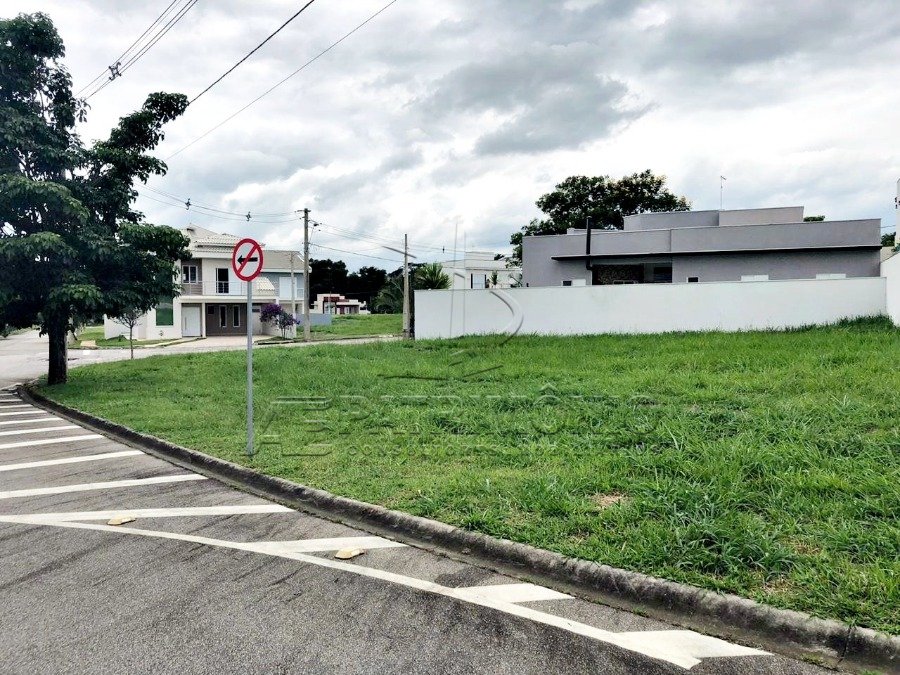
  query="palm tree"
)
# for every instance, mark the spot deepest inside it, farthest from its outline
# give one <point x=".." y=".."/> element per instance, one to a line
<point x="430" y="277"/>
<point x="390" y="298"/>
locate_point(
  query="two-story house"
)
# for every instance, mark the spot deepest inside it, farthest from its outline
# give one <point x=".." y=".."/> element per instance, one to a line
<point x="213" y="299"/>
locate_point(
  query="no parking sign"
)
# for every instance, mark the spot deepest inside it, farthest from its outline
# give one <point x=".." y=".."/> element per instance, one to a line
<point x="247" y="259"/>
<point x="247" y="263"/>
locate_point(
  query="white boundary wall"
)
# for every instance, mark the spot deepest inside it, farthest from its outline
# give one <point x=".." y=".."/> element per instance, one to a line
<point x="890" y="270"/>
<point x="652" y="308"/>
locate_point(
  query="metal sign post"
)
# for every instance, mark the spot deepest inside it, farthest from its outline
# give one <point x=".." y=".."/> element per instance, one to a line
<point x="247" y="263"/>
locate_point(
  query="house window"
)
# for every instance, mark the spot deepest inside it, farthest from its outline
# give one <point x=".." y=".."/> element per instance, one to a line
<point x="235" y="316"/>
<point x="165" y="314"/>
<point x="693" y="280"/>
<point x="223" y="316"/>
<point x="189" y="274"/>
<point x="567" y="282"/>
<point x="211" y="310"/>
<point x="478" y="281"/>
<point x="221" y="280"/>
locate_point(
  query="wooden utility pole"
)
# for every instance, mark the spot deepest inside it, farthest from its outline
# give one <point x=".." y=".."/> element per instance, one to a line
<point x="306" y="331"/>
<point x="406" y="323"/>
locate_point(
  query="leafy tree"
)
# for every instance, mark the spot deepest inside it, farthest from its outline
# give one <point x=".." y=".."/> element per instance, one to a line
<point x="390" y="298"/>
<point x="889" y="239"/>
<point x="130" y="318"/>
<point x="277" y="315"/>
<point x="605" y="200"/>
<point x="364" y="284"/>
<point x="430" y="276"/>
<point x="70" y="244"/>
<point x="326" y="276"/>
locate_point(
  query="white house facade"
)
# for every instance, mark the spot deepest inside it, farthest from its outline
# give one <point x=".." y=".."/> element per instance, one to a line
<point x="213" y="300"/>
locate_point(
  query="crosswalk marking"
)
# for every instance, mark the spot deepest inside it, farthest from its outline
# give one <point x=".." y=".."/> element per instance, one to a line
<point x="678" y="649"/>
<point x="187" y="511"/>
<point x="23" y="412"/>
<point x="48" y="441"/>
<point x="69" y="460"/>
<point x="30" y="420"/>
<point x="18" y="432"/>
<point x="108" y="485"/>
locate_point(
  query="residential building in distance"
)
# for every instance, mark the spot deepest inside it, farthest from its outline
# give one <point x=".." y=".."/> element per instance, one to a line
<point x="701" y="246"/>
<point x="481" y="269"/>
<point x="213" y="300"/>
<point x="335" y="303"/>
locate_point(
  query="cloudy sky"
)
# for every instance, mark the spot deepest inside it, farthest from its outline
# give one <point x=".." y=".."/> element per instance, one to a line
<point x="447" y="119"/>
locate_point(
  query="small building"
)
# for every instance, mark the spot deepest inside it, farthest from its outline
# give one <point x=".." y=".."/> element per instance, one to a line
<point x="700" y="246"/>
<point x="335" y="303"/>
<point x="213" y="300"/>
<point x="481" y="269"/>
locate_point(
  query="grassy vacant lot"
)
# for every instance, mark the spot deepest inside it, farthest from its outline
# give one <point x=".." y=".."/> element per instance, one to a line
<point x="353" y="325"/>
<point x="766" y="464"/>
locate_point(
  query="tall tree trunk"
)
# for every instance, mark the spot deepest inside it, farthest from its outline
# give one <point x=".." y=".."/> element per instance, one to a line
<point x="57" y="371"/>
<point x="131" y="339"/>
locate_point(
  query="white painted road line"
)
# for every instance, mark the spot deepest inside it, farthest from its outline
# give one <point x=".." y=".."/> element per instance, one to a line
<point x="31" y="420"/>
<point x="513" y="593"/>
<point x="7" y="406"/>
<point x="69" y="460"/>
<point x="238" y="510"/>
<point x="84" y="487"/>
<point x="48" y="441"/>
<point x="24" y="412"/>
<point x="678" y="649"/>
<point x="320" y="545"/>
<point x="16" y="432"/>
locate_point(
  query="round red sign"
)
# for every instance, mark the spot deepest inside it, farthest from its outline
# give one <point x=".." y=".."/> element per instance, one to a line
<point x="247" y="259"/>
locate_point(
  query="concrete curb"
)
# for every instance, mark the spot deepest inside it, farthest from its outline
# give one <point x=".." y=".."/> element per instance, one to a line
<point x="787" y="632"/>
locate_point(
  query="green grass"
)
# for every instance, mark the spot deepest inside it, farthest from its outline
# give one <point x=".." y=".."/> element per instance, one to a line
<point x="765" y="464"/>
<point x="95" y="333"/>
<point x="353" y="325"/>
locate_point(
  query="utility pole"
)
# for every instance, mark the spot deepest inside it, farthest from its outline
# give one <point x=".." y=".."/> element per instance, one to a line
<point x="306" y="331"/>
<point x="407" y="332"/>
<point x="406" y="325"/>
<point x="722" y="180"/>
<point x="293" y="289"/>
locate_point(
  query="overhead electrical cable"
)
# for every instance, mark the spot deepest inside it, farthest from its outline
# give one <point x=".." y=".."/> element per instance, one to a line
<point x="119" y="68"/>
<point x="278" y="84"/>
<point x="252" y="51"/>
<point x="106" y="71"/>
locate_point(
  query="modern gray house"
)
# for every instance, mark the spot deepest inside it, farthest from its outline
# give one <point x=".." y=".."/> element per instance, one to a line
<point x="699" y="246"/>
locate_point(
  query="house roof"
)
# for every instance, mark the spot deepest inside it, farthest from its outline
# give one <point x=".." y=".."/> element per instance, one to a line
<point x="201" y="238"/>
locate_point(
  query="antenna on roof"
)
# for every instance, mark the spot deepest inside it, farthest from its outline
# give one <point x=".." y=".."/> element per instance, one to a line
<point x="722" y="180"/>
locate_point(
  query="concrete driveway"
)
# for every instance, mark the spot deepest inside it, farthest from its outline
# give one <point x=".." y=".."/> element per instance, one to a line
<point x="206" y="579"/>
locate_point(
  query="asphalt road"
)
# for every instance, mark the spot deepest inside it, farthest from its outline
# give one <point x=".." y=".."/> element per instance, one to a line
<point x="207" y="579"/>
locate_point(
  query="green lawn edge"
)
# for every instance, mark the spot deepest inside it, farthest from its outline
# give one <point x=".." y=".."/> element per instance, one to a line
<point x="763" y="464"/>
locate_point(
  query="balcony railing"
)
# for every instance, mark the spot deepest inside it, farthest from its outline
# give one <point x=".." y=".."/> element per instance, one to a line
<point x="230" y="288"/>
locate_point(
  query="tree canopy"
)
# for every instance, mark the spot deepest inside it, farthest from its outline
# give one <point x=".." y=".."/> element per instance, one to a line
<point x="71" y="246"/>
<point x="603" y="199"/>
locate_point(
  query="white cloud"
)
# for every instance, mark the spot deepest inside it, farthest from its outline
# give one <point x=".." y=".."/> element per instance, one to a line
<point x="454" y="113"/>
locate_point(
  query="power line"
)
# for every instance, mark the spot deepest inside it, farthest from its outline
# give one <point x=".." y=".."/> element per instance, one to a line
<point x="190" y="204"/>
<point x="118" y="69"/>
<point x="253" y="51"/>
<point x="340" y="250"/>
<point x="233" y="216"/>
<point x="121" y="56"/>
<point x="274" y="87"/>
